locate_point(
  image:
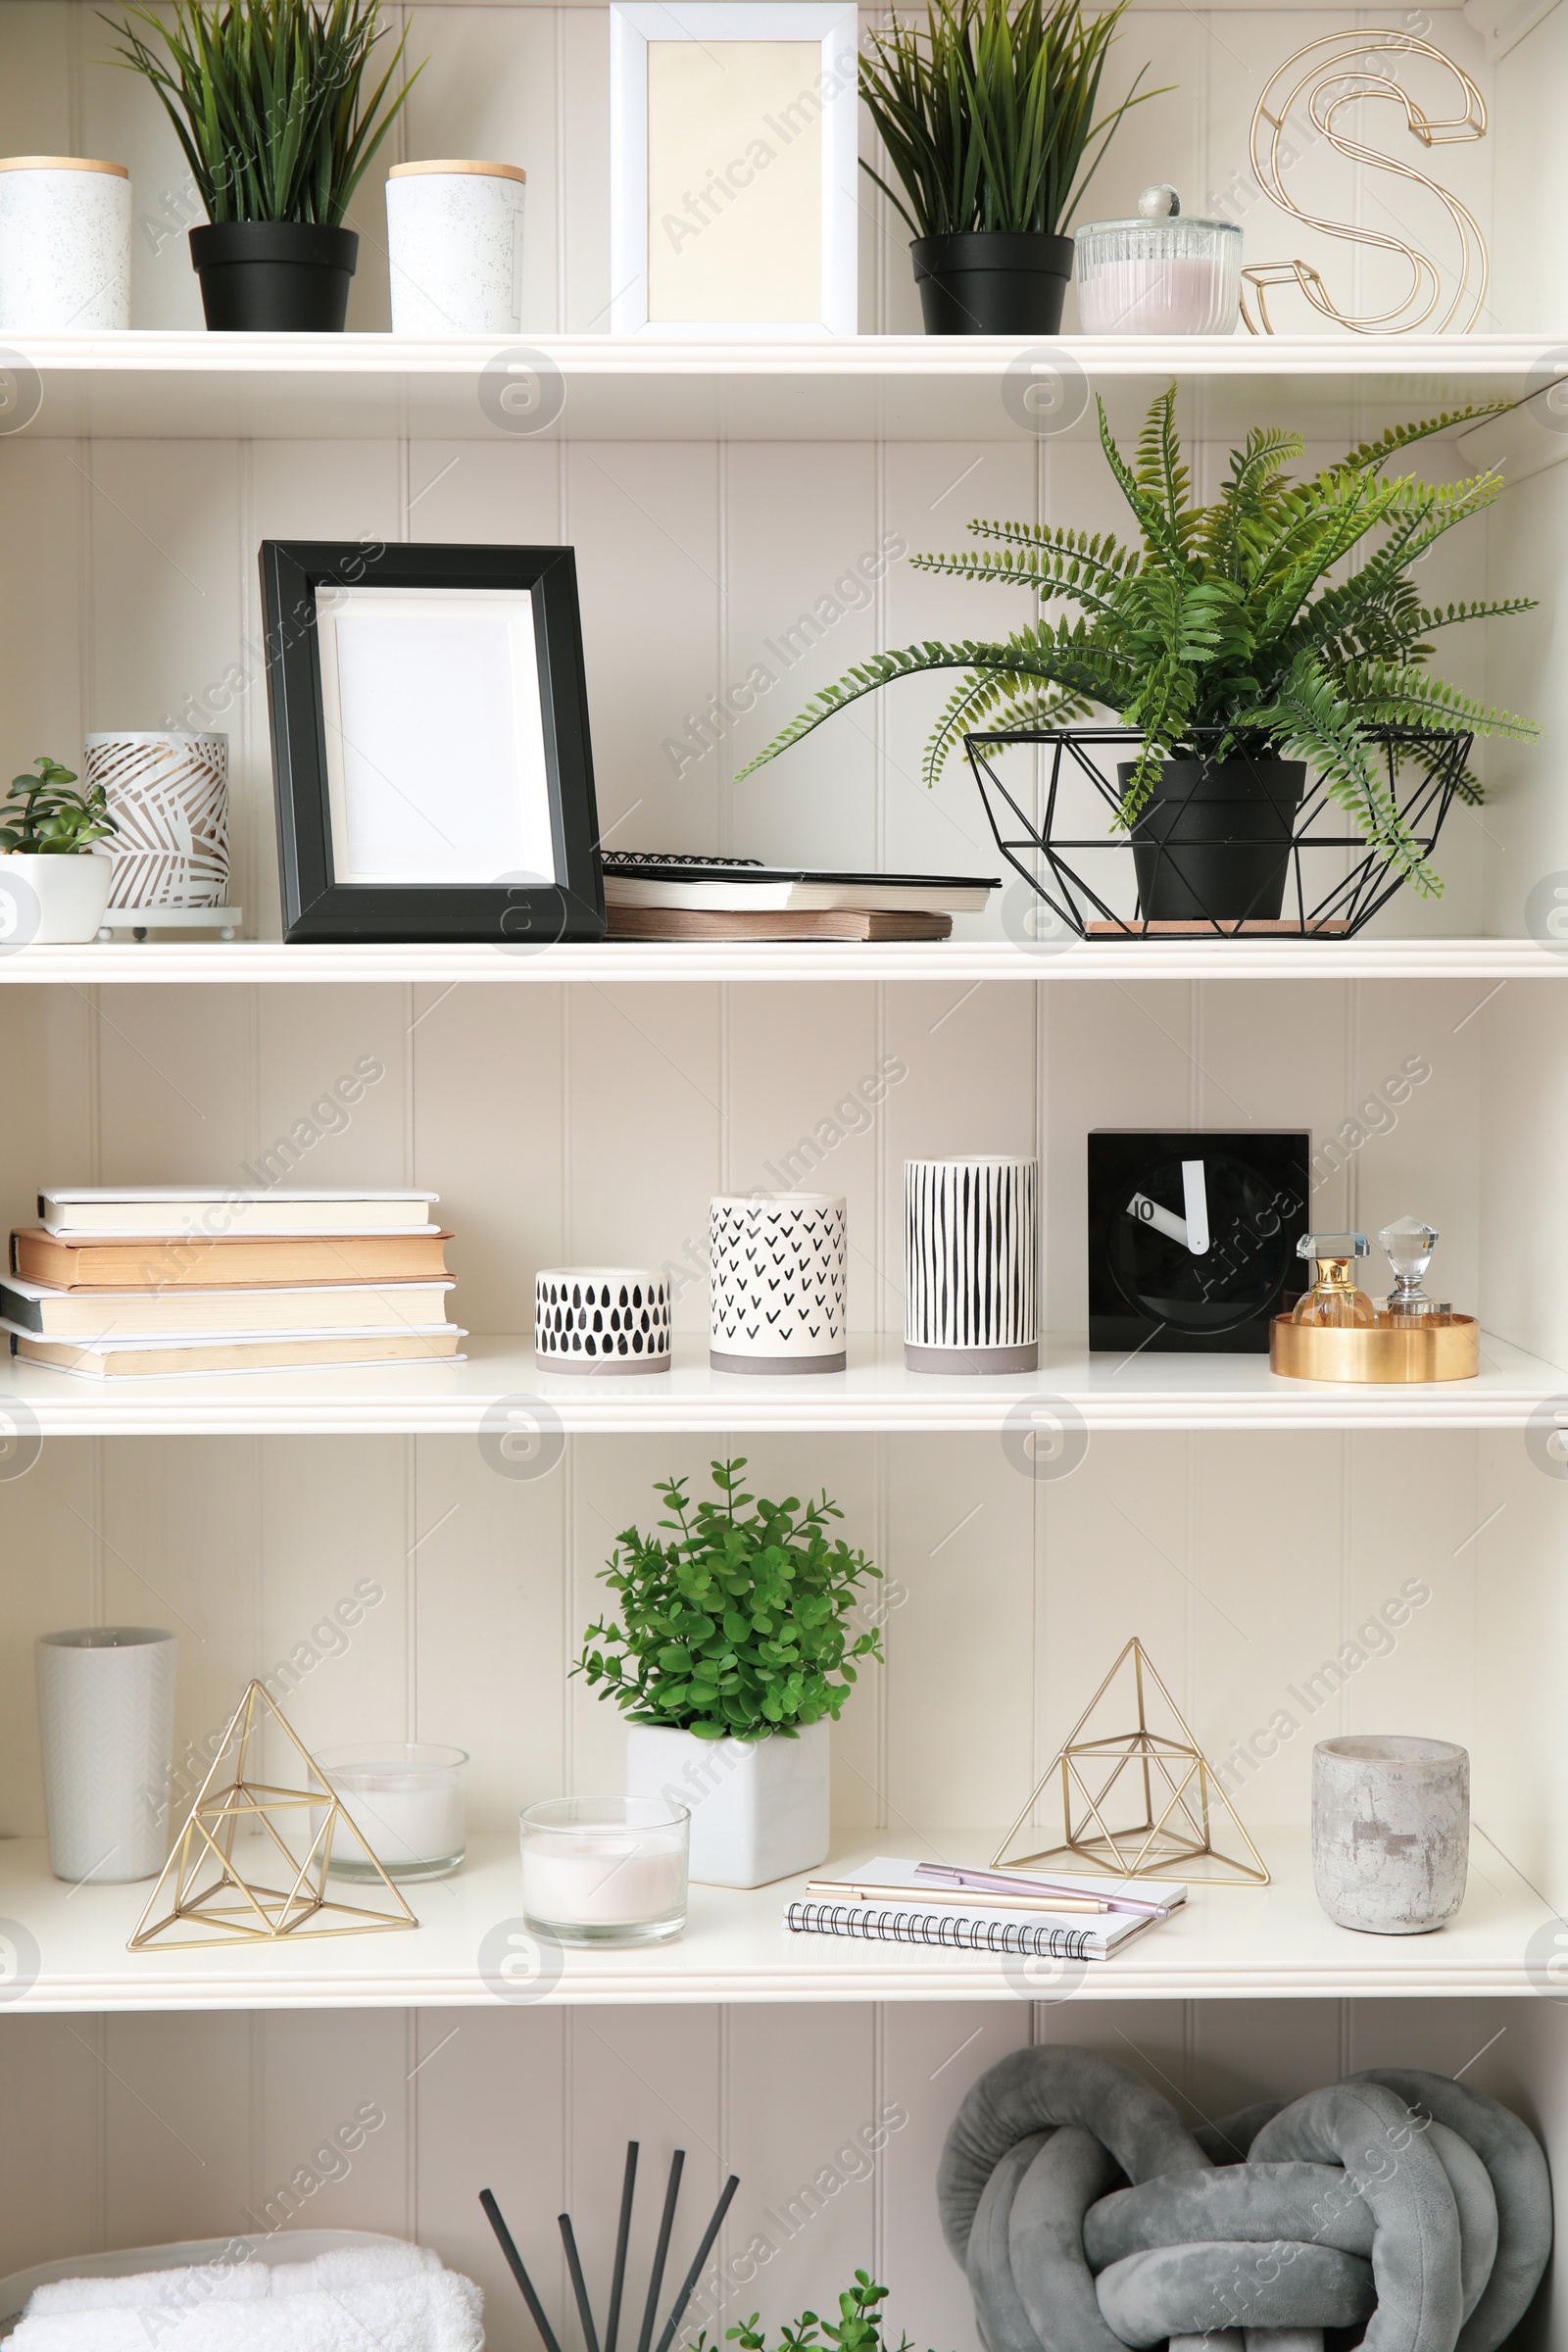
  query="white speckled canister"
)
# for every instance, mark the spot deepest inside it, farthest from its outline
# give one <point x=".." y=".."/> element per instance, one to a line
<point x="453" y="234"/>
<point x="65" y="244"/>
<point x="1390" y="1832"/>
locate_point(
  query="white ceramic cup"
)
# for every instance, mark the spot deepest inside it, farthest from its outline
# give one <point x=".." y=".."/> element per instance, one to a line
<point x="105" y="1723"/>
<point x="453" y="234"/>
<point x="779" y="1282"/>
<point x="65" y="244"/>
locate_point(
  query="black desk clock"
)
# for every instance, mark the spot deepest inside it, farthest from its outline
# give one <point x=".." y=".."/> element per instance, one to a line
<point x="1192" y="1237"/>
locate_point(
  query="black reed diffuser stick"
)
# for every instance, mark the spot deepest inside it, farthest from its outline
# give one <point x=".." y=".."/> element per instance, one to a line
<point x="492" y="2214"/>
<point x="701" y="2257"/>
<point x="661" y="2250"/>
<point x="622" y="2237"/>
<point x="579" y="2287"/>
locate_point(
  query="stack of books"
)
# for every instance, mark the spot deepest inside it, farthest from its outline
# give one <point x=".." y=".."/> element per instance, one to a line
<point x="649" y="895"/>
<point x="132" y="1281"/>
<point x="1035" y="1915"/>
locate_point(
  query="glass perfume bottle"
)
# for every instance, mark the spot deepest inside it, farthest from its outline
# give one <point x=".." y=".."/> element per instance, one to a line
<point x="1409" y="1245"/>
<point x="1334" y="1302"/>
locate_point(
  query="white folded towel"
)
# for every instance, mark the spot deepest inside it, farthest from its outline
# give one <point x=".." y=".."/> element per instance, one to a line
<point x="361" y="2299"/>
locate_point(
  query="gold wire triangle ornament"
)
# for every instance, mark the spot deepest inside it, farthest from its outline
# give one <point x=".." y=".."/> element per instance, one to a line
<point x="209" y="1890"/>
<point x="1168" y="1778"/>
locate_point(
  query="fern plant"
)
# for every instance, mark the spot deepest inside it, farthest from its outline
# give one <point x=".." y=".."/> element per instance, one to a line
<point x="1240" y="617"/>
<point x="987" y="115"/>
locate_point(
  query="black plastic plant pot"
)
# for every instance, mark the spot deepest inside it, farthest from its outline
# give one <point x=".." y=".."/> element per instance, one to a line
<point x="1214" y="839"/>
<point x="265" y="278"/>
<point x="992" y="282"/>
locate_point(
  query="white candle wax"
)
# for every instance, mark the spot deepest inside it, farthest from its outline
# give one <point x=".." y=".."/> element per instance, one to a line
<point x="612" y="1879"/>
<point x="407" y="1816"/>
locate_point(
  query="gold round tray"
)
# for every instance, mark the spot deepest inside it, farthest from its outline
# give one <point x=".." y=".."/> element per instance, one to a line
<point x="1378" y="1352"/>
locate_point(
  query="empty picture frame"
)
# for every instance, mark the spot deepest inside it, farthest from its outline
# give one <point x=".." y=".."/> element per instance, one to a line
<point x="733" y="176"/>
<point x="430" y="751"/>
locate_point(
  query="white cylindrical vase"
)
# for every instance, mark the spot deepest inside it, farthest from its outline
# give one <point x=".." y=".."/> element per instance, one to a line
<point x="1390" y="1832"/>
<point x="453" y="234"/>
<point x="777" y="1274"/>
<point x="970" y="1250"/>
<point x="105" y="1723"/>
<point x="65" y="244"/>
<point x="601" y="1319"/>
<point x="168" y="797"/>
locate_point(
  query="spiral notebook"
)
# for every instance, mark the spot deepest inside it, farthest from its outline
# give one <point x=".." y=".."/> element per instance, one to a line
<point x="986" y="1925"/>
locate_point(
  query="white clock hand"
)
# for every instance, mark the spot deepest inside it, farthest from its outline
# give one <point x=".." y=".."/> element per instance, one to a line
<point x="1194" y="1200"/>
<point x="1144" y="1211"/>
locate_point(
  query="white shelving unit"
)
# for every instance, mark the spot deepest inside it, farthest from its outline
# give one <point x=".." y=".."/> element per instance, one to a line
<point x="1299" y="1560"/>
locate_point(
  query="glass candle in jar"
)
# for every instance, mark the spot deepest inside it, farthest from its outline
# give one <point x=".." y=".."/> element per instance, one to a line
<point x="605" y="1869"/>
<point x="1160" y="274"/>
<point x="404" y="1797"/>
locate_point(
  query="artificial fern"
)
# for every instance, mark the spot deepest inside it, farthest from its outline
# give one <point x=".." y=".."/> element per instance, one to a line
<point x="1239" y="617"/>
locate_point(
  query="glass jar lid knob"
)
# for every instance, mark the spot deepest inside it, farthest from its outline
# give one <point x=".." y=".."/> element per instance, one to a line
<point x="1159" y="203"/>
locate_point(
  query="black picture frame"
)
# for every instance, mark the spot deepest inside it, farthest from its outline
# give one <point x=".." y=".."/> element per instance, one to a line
<point x="316" y="906"/>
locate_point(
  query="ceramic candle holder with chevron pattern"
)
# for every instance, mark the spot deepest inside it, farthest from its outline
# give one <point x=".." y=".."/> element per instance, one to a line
<point x="776" y="1267"/>
<point x="969" y="1242"/>
<point x="168" y="796"/>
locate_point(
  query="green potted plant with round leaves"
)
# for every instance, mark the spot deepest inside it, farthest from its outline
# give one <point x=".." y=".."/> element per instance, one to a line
<point x="271" y="100"/>
<point x="54" y="890"/>
<point x="1234" y="638"/>
<point x="730" y="1654"/>
<point x="987" y="115"/>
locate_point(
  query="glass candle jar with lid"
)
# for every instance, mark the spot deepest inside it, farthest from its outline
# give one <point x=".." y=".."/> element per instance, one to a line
<point x="1161" y="273"/>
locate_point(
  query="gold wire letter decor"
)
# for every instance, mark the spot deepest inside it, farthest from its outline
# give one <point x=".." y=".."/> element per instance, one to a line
<point x="203" y="1896"/>
<point x="1140" y="1803"/>
<point x="1337" y="71"/>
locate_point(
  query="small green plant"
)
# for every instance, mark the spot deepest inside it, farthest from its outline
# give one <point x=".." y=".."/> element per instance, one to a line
<point x="735" y="1627"/>
<point x="42" y="816"/>
<point x="266" y="99"/>
<point x="1239" y="617"/>
<point x="987" y="115"/>
<point x="857" y="2328"/>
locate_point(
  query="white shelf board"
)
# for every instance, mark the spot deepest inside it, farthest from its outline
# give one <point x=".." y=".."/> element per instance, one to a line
<point x="1144" y="1391"/>
<point x="614" y="963"/>
<point x="1232" y="1943"/>
<point x="168" y="385"/>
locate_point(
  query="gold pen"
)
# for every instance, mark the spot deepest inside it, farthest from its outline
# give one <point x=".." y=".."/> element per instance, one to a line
<point x="915" y="1898"/>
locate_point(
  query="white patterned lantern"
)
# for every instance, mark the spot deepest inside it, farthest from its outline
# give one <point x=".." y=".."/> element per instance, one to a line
<point x="776" y="1267"/>
<point x="601" y="1319"/>
<point x="969" y="1242"/>
<point x="168" y="797"/>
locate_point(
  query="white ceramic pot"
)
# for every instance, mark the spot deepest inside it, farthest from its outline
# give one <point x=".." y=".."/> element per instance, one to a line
<point x="601" y="1319"/>
<point x="65" y="244"/>
<point x="54" y="902"/>
<point x="106" y="1722"/>
<point x="168" y="796"/>
<point x="758" y="1807"/>
<point x="1390" y="1832"/>
<point x="776" y="1274"/>
<point x="969" y="1243"/>
<point x="453" y="234"/>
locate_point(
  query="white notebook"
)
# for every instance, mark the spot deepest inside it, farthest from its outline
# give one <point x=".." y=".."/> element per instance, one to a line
<point x="150" y="1212"/>
<point x="987" y="1925"/>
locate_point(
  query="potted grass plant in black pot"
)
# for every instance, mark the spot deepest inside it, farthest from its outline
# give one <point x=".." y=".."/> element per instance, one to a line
<point x="1233" y="639"/>
<point x="273" y="104"/>
<point x="987" y="115"/>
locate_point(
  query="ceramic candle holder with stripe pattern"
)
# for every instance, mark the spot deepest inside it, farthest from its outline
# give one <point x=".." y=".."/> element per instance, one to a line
<point x="970" y="1246"/>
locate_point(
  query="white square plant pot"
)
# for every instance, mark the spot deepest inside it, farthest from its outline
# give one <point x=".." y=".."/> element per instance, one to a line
<point x="758" y="1807"/>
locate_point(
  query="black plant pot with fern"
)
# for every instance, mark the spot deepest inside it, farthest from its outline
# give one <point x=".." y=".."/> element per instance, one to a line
<point x="1213" y="841"/>
<point x="275" y="277"/>
<point x="992" y="282"/>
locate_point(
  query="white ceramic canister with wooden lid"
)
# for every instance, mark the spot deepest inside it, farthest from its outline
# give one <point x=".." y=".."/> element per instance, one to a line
<point x="65" y="244"/>
<point x="454" y="239"/>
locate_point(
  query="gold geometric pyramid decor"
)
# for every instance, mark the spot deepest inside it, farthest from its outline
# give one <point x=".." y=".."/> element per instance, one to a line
<point x="1163" y="1777"/>
<point x="207" y="1891"/>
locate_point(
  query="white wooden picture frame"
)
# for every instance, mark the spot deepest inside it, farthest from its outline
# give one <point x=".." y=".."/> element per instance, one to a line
<point x="734" y="195"/>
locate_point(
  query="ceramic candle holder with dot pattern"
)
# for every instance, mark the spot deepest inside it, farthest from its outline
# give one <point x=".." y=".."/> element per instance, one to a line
<point x="601" y="1319"/>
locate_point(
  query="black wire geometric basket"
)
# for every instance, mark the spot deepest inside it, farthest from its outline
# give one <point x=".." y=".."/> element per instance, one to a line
<point x="1101" y="884"/>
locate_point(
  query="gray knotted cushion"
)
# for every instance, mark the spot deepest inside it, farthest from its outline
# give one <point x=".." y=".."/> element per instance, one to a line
<point x="1089" y="2216"/>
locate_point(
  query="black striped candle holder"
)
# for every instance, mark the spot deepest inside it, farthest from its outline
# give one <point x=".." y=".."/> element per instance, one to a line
<point x="969" y="1243"/>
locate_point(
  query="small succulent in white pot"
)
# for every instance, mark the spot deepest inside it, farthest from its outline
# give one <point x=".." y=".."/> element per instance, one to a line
<point x="730" y="1656"/>
<point x="54" y="883"/>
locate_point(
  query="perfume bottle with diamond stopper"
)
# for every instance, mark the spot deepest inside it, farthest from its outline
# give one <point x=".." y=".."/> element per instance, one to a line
<point x="1409" y="1244"/>
<point x="1334" y="1302"/>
